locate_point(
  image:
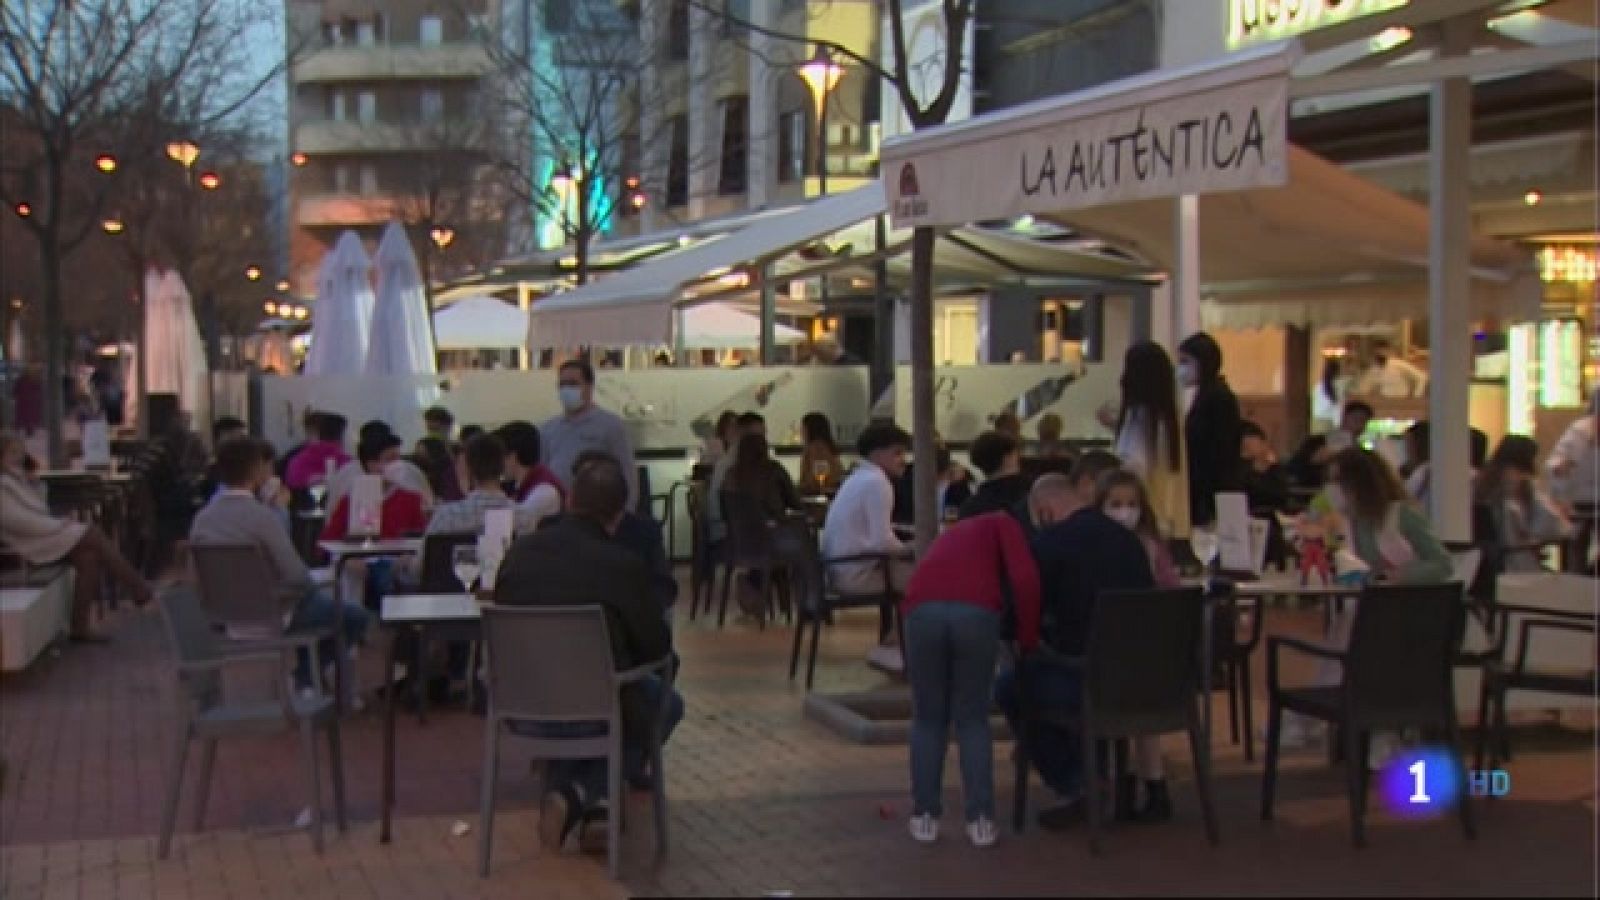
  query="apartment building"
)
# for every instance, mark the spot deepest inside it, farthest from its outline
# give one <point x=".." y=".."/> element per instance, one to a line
<point x="384" y="104"/>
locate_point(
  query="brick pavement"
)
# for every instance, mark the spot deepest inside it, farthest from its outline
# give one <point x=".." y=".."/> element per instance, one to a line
<point x="762" y="800"/>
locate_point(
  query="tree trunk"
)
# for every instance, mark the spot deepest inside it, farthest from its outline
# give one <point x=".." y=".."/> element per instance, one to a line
<point x="580" y="253"/>
<point x="54" y="334"/>
<point x="925" y="489"/>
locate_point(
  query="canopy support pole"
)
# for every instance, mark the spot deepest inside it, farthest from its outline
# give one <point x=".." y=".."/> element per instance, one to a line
<point x="881" y="375"/>
<point x="524" y="300"/>
<point x="769" y="312"/>
<point x="1186" y="274"/>
<point x="1449" y="281"/>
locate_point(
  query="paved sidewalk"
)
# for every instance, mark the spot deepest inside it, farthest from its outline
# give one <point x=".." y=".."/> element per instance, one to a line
<point x="762" y="801"/>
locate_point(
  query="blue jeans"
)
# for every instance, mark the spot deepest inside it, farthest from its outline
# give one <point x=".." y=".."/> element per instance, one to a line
<point x="1055" y="752"/>
<point x="589" y="775"/>
<point x="316" y="611"/>
<point x="950" y="652"/>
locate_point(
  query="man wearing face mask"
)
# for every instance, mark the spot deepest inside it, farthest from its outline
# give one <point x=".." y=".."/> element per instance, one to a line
<point x="584" y="426"/>
<point x="401" y="513"/>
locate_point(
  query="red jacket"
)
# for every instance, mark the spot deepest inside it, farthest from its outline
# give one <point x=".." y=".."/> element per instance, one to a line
<point x="540" y="474"/>
<point x="400" y="516"/>
<point x="966" y="563"/>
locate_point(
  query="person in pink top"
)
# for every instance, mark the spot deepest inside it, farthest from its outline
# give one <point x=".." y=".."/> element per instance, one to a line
<point x="1123" y="499"/>
<point x="311" y="465"/>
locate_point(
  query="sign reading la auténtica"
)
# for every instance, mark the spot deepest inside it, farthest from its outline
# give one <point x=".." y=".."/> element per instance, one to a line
<point x="1220" y="126"/>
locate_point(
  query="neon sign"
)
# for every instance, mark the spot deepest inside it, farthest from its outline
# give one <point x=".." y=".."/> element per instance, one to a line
<point x="1251" y="21"/>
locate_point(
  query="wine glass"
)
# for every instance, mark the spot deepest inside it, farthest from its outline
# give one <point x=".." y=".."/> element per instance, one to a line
<point x="1205" y="545"/>
<point x="464" y="561"/>
<point x="317" y="491"/>
<point x="820" y="469"/>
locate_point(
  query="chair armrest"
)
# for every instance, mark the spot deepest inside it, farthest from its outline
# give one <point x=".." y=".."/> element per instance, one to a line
<point x="639" y="673"/>
<point x="1526" y="627"/>
<point x="1304" y="646"/>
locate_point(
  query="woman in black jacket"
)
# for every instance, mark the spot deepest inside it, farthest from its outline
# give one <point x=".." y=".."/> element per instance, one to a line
<point x="1211" y="429"/>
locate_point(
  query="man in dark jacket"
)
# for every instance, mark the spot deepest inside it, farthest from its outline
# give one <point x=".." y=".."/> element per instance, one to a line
<point x="999" y="457"/>
<point x="1080" y="556"/>
<point x="576" y="562"/>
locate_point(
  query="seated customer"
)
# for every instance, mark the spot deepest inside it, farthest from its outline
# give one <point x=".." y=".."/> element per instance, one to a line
<point x="236" y="515"/>
<point x="999" y="457"/>
<point x="309" y="465"/>
<point x="747" y="423"/>
<point x="1050" y="445"/>
<point x="576" y="562"/>
<point x="820" y="469"/>
<point x="401" y="513"/>
<point x="1308" y="467"/>
<point x="29" y="530"/>
<point x="222" y="430"/>
<point x="486" y="462"/>
<point x="1079" y="557"/>
<point x="953" y="489"/>
<point x="641" y="535"/>
<point x="860" y="522"/>
<point x="536" y="486"/>
<point x="1523" y="513"/>
<point x="757" y="475"/>
<point x="1263" y="480"/>
<point x="1389" y="534"/>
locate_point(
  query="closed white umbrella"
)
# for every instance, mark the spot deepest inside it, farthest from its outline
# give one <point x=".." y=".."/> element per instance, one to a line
<point x="718" y="326"/>
<point x="399" y="342"/>
<point x="177" y="354"/>
<point x="342" y="314"/>
<point x="480" y="323"/>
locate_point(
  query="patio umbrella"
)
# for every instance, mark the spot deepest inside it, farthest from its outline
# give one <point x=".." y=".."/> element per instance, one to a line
<point x="172" y="339"/>
<point x="343" y="311"/>
<point x="400" y="342"/>
<point x="480" y="322"/>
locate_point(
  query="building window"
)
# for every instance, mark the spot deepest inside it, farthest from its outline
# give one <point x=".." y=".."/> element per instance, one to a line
<point x="678" y="163"/>
<point x="369" y="179"/>
<point x="792" y="146"/>
<point x="366" y="33"/>
<point x="431" y="31"/>
<point x="432" y="104"/>
<point x="558" y="16"/>
<point x="678" y="31"/>
<point x="367" y="106"/>
<point x="735" y="144"/>
<point x="330" y="34"/>
<point x="341" y="178"/>
<point x="336" y="110"/>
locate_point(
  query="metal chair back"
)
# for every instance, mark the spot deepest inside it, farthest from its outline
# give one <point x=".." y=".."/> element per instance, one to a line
<point x="1143" y="660"/>
<point x="749" y="528"/>
<point x="237" y="586"/>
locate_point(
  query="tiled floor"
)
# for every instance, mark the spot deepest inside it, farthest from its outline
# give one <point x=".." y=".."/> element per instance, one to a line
<point x="763" y="801"/>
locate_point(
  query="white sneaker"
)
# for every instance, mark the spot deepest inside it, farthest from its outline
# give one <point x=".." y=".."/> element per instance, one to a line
<point x="924" y="828"/>
<point x="982" y="832"/>
<point x="888" y="658"/>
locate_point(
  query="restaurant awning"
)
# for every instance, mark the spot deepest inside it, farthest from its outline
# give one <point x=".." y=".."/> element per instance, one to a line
<point x="635" y="306"/>
<point x="720" y="326"/>
<point x="477" y="323"/>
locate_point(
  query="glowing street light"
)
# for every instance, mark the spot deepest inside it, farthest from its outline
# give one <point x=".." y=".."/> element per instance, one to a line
<point x="183" y="153"/>
<point x="821" y="74"/>
<point x="252" y="272"/>
<point x="283" y="286"/>
<point x="112" y="226"/>
<point x="298" y="159"/>
<point x="24" y="209"/>
<point x="106" y="163"/>
<point x="442" y="237"/>
<point x="270" y="308"/>
<point x="210" y="180"/>
<point x="300" y="312"/>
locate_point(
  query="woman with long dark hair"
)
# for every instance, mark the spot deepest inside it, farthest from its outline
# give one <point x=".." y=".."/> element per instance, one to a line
<point x="820" y="469"/>
<point x="756" y="474"/>
<point x="1523" y="514"/>
<point x="1211" y="429"/>
<point x="1149" y="441"/>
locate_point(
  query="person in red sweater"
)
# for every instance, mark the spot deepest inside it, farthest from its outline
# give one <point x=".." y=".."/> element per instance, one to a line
<point x="975" y="577"/>
<point x="401" y="514"/>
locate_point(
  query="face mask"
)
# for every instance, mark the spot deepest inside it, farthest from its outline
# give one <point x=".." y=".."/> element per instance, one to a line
<point x="1186" y="374"/>
<point x="1126" y="516"/>
<point x="571" y="397"/>
<point x="395" y="472"/>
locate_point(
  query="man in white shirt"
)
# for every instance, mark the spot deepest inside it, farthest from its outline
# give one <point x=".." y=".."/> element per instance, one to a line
<point x="1574" y="467"/>
<point x="1391" y="376"/>
<point x="860" y="521"/>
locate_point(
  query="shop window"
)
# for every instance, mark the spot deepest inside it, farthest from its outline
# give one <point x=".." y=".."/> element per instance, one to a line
<point x="735" y="144"/>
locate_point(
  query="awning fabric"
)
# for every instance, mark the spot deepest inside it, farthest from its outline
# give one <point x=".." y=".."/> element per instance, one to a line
<point x="719" y="326"/>
<point x="479" y="323"/>
<point x="635" y="307"/>
<point x="1328" y="248"/>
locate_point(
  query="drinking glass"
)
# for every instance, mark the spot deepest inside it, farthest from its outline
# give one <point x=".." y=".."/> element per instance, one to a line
<point x="1205" y="545"/>
<point x="317" y="491"/>
<point x="464" y="560"/>
<point x="819" y="472"/>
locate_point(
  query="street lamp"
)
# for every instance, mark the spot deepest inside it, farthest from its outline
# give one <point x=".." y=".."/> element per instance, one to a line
<point x="183" y="153"/>
<point x="821" y="74"/>
<point x="300" y="312"/>
<point x="270" y="308"/>
<point x="253" y="273"/>
<point x="298" y="159"/>
<point x="283" y="286"/>
<point x="442" y="237"/>
<point x="24" y="210"/>
<point x="106" y="163"/>
<point x="210" y="180"/>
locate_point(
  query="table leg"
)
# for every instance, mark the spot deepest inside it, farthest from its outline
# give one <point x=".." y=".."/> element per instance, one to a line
<point x="388" y="737"/>
<point x="340" y="651"/>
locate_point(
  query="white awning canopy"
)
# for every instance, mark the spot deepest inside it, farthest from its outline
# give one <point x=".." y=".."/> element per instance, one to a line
<point x="635" y="307"/>
<point x="1217" y="126"/>
<point x="719" y="326"/>
<point x="479" y="323"/>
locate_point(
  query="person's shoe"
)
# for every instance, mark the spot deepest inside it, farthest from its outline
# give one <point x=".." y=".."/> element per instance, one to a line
<point x="559" y="813"/>
<point x="888" y="658"/>
<point x="924" y="828"/>
<point x="1157" y="803"/>
<point x="982" y="832"/>
<point x="1063" y="817"/>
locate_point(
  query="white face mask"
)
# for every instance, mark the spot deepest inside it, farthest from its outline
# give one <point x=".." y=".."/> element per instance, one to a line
<point x="1126" y="516"/>
<point x="571" y="397"/>
<point x="1186" y="374"/>
<point x="396" y="472"/>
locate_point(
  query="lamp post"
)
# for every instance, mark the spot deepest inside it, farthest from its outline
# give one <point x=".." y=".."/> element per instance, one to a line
<point x="821" y="74"/>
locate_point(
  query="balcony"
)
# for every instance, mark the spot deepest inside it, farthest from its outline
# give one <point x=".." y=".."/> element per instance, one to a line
<point x="346" y="210"/>
<point x="420" y="62"/>
<point x="354" y="137"/>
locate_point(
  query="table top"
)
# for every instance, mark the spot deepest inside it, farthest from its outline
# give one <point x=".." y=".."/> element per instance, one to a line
<point x="358" y="547"/>
<point x="1285" y="584"/>
<point x="401" y="608"/>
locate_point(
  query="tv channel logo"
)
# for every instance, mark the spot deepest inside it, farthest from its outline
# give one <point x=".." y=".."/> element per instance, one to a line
<point x="1422" y="782"/>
